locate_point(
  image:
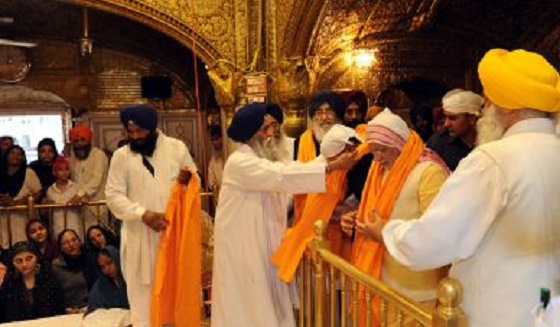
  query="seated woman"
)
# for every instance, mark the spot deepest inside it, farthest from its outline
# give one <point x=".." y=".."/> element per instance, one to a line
<point x="109" y="291"/>
<point x="29" y="290"/>
<point x="98" y="237"/>
<point x="38" y="233"/>
<point x="75" y="270"/>
<point x="16" y="182"/>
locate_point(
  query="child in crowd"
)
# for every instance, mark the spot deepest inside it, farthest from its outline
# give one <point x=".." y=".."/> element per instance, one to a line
<point x="61" y="192"/>
<point x="38" y="234"/>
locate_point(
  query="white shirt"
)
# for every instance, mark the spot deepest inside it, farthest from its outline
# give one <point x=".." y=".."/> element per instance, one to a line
<point x="250" y="222"/>
<point x="131" y="190"/>
<point x="496" y="220"/>
<point x="90" y="173"/>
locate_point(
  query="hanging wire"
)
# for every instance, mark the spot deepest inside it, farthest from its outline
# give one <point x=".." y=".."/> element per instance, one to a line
<point x="201" y="133"/>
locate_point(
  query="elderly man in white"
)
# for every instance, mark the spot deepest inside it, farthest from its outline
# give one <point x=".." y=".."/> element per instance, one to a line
<point x="497" y="217"/>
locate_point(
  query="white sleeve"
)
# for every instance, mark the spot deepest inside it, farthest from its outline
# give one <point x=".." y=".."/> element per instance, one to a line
<point x="249" y="172"/>
<point x="99" y="169"/>
<point x="457" y="220"/>
<point x="116" y="190"/>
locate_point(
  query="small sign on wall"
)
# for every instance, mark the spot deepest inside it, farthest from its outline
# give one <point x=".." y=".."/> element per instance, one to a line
<point x="257" y="87"/>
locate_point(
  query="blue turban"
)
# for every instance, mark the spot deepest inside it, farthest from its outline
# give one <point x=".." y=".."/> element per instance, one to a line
<point x="332" y="98"/>
<point x="142" y="115"/>
<point x="247" y="121"/>
<point x="275" y="111"/>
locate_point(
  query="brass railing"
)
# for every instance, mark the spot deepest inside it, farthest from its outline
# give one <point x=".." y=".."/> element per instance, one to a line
<point x="332" y="293"/>
<point x="98" y="209"/>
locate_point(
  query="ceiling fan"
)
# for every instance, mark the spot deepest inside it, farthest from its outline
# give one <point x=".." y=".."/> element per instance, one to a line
<point x="6" y="42"/>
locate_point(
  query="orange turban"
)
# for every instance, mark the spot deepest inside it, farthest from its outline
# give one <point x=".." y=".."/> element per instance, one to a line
<point x="80" y="131"/>
<point x="520" y="79"/>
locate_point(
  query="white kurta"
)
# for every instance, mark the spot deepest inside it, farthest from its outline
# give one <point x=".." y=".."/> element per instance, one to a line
<point x="71" y="215"/>
<point x="250" y="221"/>
<point x="18" y="218"/>
<point x="130" y="191"/>
<point x="496" y="220"/>
<point x="91" y="175"/>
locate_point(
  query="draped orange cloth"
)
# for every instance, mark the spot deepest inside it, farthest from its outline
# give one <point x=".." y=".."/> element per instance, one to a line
<point x="318" y="206"/>
<point x="176" y="297"/>
<point x="381" y="195"/>
<point x="306" y="153"/>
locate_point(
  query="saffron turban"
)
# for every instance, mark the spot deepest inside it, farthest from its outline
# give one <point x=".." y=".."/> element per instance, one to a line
<point x="520" y="79"/>
<point x="59" y="163"/>
<point x="387" y="129"/>
<point x="336" y="139"/>
<point x="334" y="100"/>
<point x="143" y="115"/>
<point x="462" y="102"/>
<point x="80" y="131"/>
<point x="247" y="121"/>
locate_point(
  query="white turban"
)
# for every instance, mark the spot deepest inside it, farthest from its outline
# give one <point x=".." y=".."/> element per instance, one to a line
<point x="336" y="139"/>
<point x="462" y="102"/>
<point x="388" y="129"/>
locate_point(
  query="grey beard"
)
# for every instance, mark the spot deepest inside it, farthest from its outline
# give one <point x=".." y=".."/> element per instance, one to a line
<point x="266" y="148"/>
<point x="319" y="130"/>
<point x="490" y="126"/>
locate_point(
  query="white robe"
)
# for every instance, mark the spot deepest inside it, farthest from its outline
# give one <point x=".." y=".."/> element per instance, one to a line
<point x="496" y="219"/>
<point x="130" y="191"/>
<point x="250" y="222"/>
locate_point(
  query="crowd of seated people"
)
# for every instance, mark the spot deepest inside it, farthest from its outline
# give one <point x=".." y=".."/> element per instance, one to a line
<point x="42" y="278"/>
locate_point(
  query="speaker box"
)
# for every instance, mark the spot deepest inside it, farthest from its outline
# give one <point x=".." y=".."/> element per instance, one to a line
<point x="156" y="87"/>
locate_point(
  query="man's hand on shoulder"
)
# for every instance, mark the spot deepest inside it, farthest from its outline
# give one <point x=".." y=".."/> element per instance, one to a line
<point x="155" y="220"/>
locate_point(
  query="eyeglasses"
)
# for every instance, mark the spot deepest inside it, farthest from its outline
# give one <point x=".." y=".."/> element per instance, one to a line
<point x="325" y="113"/>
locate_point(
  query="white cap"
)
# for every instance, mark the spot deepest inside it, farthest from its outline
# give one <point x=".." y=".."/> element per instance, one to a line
<point x="336" y="139"/>
<point x="459" y="101"/>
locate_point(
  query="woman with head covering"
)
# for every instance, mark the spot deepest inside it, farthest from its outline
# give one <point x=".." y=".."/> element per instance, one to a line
<point x="43" y="166"/>
<point x="109" y="290"/>
<point x="16" y="184"/>
<point x="75" y="270"/>
<point x="98" y="237"/>
<point x="29" y="290"/>
<point x="38" y="233"/>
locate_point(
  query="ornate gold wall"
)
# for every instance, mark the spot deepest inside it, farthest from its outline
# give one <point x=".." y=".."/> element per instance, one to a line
<point x="103" y="82"/>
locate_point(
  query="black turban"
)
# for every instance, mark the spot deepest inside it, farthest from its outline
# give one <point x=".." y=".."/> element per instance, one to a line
<point x="334" y="100"/>
<point x="275" y="111"/>
<point x="142" y="115"/>
<point x="247" y="121"/>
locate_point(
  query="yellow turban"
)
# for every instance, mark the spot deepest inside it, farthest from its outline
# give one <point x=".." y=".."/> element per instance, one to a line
<point x="520" y="79"/>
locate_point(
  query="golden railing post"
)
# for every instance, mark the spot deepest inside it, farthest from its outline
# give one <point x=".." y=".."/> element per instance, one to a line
<point x="30" y="206"/>
<point x="448" y="312"/>
<point x="319" y="243"/>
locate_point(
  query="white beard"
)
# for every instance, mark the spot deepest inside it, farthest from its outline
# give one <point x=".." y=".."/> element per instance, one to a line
<point x="267" y="149"/>
<point x="319" y="130"/>
<point x="490" y="126"/>
<point x="279" y="145"/>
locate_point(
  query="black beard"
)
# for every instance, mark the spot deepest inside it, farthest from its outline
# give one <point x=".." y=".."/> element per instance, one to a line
<point x="353" y="123"/>
<point x="82" y="152"/>
<point x="145" y="146"/>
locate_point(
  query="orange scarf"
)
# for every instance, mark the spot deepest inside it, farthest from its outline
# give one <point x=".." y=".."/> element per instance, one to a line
<point x="318" y="206"/>
<point x="306" y="153"/>
<point x="367" y="254"/>
<point x="177" y="283"/>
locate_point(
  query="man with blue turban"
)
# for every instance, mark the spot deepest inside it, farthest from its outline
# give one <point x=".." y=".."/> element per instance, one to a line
<point x="250" y="222"/>
<point x="141" y="176"/>
<point x="497" y="217"/>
